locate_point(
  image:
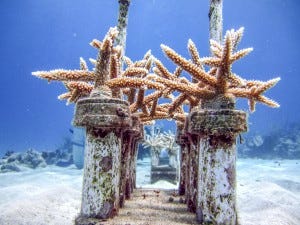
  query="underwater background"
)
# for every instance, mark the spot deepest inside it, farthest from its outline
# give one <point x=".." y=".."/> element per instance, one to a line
<point x="49" y="34"/>
<point x="37" y="139"/>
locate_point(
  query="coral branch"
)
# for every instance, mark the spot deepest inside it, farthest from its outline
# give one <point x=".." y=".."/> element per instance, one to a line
<point x="145" y="90"/>
<point x="65" y="75"/>
<point x="123" y="82"/>
<point x="194" y="70"/>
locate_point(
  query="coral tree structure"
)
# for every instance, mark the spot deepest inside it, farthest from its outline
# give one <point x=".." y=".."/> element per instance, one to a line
<point x="218" y="80"/>
<point x="153" y="92"/>
<point x="136" y="81"/>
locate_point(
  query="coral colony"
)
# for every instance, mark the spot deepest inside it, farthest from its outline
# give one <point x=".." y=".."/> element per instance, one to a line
<point x="114" y="104"/>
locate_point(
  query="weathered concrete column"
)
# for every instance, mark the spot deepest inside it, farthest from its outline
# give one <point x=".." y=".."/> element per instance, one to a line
<point x="188" y="183"/>
<point x="193" y="172"/>
<point x="215" y="20"/>
<point x="130" y="137"/>
<point x="181" y="140"/>
<point x="154" y="153"/>
<point x="217" y="125"/>
<point x="135" y="145"/>
<point x="105" y="119"/>
<point x="125" y="157"/>
<point x="122" y="23"/>
<point x="187" y="177"/>
<point x="173" y="159"/>
<point x="138" y="134"/>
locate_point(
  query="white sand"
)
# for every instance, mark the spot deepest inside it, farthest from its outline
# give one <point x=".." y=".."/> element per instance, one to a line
<point x="268" y="194"/>
<point x="39" y="197"/>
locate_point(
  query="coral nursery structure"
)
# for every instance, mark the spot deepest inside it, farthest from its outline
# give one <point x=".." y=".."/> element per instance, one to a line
<point x="136" y="79"/>
<point x="107" y="99"/>
<point x="157" y="141"/>
<point x="113" y="104"/>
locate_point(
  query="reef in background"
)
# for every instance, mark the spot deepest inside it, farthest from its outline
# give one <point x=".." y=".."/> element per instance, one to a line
<point x="18" y="161"/>
<point x="282" y="143"/>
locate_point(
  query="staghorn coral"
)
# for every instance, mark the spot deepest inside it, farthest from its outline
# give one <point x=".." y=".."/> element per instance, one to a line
<point x="169" y="140"/>
<point x="155" y="143"/>
<point x="145" y="92"/>
<point x="83" y="82"/>
<point x="220" y="80"/>
<point x="154" y="140"/>
<point x="80" y="83"/>
<point x="217" y="81"/>
<point x="107" y="79"/>
<point x="152" y="95"/>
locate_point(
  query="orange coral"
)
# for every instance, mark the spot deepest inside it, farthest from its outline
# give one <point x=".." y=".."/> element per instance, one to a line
<point x="151" y="95"/>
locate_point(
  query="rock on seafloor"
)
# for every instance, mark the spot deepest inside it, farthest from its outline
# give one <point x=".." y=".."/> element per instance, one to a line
<point x="18" y="161"/>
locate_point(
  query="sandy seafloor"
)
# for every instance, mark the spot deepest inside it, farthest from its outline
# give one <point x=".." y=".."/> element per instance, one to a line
<point x="267" y="193"/>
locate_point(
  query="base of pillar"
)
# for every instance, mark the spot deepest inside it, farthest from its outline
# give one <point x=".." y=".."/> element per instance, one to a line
<point x="81" y="220"/>
<point x="166" y="173"/>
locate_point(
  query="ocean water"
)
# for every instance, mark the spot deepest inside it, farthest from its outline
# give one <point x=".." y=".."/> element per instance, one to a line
<point x="53" y="34"/>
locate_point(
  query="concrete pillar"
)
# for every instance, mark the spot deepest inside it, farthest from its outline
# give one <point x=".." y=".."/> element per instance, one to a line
<point x="181" y="140"/>
<point x="154" y="152"/>
<point x="134" y="148"/>
<point x="128" y="159"/>
<point x="138" y="135"/>
<point x="217" y="124"/>
<point x="193" y="172"/>
<point x="125" y="158"/>
<point x="105" y="119"/>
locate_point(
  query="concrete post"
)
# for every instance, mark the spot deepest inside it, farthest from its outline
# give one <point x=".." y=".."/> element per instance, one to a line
<point x="193" y="172"/>
<point x="181" y="140"/>
<point x="137" y="134"/>
<point x="125" y="157"/>
<point x="132" y="171"/>
<point x="105" y="119"/>
<point x="130" y="138"/>
<point x="217" y="124"/>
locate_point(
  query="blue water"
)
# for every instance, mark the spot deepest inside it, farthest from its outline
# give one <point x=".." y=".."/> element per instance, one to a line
<point x="50" y="34"/>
